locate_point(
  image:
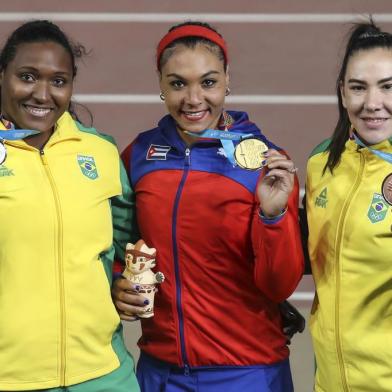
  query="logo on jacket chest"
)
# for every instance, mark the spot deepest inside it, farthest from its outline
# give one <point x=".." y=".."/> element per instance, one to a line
<point x="5" y="172"/>
<point x="157" y="153"/>
<point x="322" y="199"/>
<point x="87" y="166"/>
<point x="378" y="209"/>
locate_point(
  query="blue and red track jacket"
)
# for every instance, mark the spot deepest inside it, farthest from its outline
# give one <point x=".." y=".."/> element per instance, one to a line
<point x="226" y="270"/>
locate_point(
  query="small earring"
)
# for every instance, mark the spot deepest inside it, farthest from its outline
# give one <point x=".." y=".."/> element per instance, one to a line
<point x="162" y="96"/>
<point x="227" y="92"/>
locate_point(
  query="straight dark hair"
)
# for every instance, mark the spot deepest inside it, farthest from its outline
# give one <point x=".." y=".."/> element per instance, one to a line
<point x="363" y="36"/>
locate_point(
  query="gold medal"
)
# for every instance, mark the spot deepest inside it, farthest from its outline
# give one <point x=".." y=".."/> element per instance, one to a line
<point x="386" y="189"/>
<point x="3" y="152"/>
<point x="249" y="153"/>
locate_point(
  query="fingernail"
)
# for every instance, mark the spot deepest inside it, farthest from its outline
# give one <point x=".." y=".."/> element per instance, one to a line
<point x="146" y="302"/>
<point x="265" y="153"/>
<point x="264" y="162"/>
<point x="137" y="288"/>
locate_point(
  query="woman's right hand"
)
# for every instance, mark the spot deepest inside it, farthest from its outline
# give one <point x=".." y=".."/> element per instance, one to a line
<point x="127" y="300"/>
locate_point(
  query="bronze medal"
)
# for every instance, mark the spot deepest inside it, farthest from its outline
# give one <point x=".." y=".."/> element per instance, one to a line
<point x="386" y="189"/>
<point x="249" y="153"/>
<point x="3" y="152"/>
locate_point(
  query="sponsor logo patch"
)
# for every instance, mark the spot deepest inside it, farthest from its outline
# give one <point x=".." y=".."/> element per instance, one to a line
<point x="4" y="171"/>
<point x="87" y="166"/>
<point x="157" y="153"/>
<point x="221" y="151"/>
<point x="378" y="209"/>
<point x="322" y="199"/>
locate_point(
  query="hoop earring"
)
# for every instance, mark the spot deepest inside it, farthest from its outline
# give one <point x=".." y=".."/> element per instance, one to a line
<point x="227" y="92"/>
<point x="162" y="96"/>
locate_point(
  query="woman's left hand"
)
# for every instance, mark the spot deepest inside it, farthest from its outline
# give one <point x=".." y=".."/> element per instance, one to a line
<point x="275" y="187"/>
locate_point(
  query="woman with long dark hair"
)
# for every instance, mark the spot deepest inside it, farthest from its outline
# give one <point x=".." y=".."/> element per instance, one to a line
<point x="349" y="205"/>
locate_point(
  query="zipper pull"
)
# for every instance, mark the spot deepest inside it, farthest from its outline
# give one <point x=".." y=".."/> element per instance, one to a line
<point x="187" y="371"/>
<point x="188" y="156"/>
<point x="43" y="157"/>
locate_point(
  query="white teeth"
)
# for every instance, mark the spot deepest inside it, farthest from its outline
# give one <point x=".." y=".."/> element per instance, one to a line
<point x="194" y="114"/>
<point x="376" y="120"/>
<point x="39" y="112"/>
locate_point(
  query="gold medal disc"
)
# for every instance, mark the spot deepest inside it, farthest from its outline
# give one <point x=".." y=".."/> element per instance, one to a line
<point x="249" y="154"/>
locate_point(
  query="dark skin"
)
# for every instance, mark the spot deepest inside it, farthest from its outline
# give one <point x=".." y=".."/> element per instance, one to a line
<point x="124" y="294"/>
<point x="36" y="88"/>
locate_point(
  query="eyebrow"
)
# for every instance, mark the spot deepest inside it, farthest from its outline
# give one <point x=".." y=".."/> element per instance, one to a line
<point x="363" y="82"/>
<point x="35" y="69"/>
<point x="202" y="76"/>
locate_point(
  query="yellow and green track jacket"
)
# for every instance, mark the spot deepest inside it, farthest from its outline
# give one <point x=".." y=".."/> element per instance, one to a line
<point x="350" y="247"/>
<point x="60" y="209"/>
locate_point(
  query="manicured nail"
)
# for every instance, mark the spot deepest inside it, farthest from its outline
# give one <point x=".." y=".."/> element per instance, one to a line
<point x="264" y="162"/>
<point x="137" y="288"/>
<point x="146" y="302"/>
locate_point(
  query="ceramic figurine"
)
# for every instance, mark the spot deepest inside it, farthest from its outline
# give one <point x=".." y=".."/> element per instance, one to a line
<point x="139" y="259"/>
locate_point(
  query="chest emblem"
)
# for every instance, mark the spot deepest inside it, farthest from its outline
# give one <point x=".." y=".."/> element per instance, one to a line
<point x="87" y="166"/>
<point x="157" y="153"/>
<point x="4" y="171"/>
<point x="322" y="199"/>
<point x="387" y="189"/>
<point x="378" y="209"/>
<point x="221" y="152"/>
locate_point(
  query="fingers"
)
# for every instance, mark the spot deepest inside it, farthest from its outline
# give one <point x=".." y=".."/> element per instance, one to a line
<point x="125" y="284"/>
<point x="276" y="160"/>
<point x="128" y="302"/>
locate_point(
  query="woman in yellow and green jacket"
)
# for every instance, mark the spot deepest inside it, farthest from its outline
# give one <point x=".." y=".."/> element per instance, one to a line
<point x="63" y="213"/>
<point x="349" y="210"/>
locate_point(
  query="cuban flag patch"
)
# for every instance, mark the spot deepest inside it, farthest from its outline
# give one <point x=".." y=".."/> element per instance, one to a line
<point x="157" y="153"/>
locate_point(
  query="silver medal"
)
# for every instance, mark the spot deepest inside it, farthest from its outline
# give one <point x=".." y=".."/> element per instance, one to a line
<point x="3" y="152"/>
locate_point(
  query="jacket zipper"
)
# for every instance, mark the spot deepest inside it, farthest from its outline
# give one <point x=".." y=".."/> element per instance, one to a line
<point x="184" y="356"/>
<point x="339" y="234"/>
<point x="60" y="265"/>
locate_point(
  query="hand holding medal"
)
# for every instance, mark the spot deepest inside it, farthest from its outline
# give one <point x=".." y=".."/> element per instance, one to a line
<point x="276" y="185"/>
<point x="249" y="153"/>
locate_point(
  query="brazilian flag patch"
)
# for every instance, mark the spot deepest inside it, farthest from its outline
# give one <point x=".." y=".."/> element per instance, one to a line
<point x="88" y="167"/>
<point x="378" y="209"/>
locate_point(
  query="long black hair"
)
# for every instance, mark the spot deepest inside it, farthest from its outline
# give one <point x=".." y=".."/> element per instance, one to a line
<point x="363" y="36"/>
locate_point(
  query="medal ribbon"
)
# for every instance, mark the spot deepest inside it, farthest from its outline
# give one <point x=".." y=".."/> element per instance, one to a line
<point x="381" y="154"/>
<point x="226" y="138"/>
<point x="16" y="134"/>
<point x="12" y="134"/>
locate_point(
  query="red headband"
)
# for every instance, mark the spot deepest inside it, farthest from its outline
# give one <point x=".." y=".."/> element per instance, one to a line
<point x="190" y="31"/>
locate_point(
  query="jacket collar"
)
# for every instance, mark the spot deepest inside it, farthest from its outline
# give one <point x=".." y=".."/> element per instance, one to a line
<point x="65" y="129"/>
<point x="385" y="145"/>
<point x="241" y="125"/>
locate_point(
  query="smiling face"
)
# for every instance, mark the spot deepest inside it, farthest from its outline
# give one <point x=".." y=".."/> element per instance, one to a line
<point x="367" y="94"/>
<point x="194" y="82"/>
<point x="36" y="87"/>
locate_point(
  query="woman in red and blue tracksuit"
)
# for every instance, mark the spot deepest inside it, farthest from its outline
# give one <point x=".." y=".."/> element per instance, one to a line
<point x="227" y="239"/>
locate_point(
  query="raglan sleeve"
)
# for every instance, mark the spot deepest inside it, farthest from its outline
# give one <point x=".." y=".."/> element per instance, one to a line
<point x="124" y="215"/>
